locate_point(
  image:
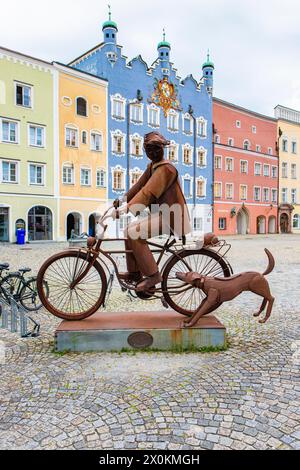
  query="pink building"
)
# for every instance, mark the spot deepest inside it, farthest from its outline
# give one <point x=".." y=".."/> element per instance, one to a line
<point x="245" y="171"/>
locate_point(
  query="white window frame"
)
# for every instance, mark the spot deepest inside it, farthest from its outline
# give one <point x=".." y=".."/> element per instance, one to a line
<point x="24" y="85"/>
<point x="276" y="173"/>
<point x="248" y="143"/>
<point x="93" y="133"/>
<point x="221" y="227"/>
<point x="217" y="139"/>
<point x="191" y="153"/>
<point x="10" y="162"/>
<point x="118" y="133"/>
<point x="231" y="185"/>
<point x="72" y="127"/>
<point x="220" y="185"/>
<point x="258" y="148"/>
<point x="204" y="151"/>
<point x="238" y="124"/>
<point x="10" y="121"/>
<point x="175" y="146"/>
<point x="86" y="134"/>
<point x="296" y="221"/>
<point x="43" y="173"/>
<point x="294" y="195"/>
<point x="260" y="168"/>
<point x="274" y="200"/>
<point x="150" y="108"/>
<point x="101" y="173"/>
<point x="135" y="171"/>
<point x="84" y="168"/>
<point x="246" y="192"/>
<point x="293" y="173"/>
<point x="122" y="101"/>
<point x="266" y="165"/>
<point x="140" y="107"/>
<point x="37" y="126"/>
<point x="123" y="171"/>
<point x="259" y="188"/>
<point x="204" y="181"/>
<point x="266" y="199"/>
<point x="285" y="166"/>
<point x="284" y="191"/>
<point x="231" y="139"/>
<point x="69" y="166"/>
<point x="221" y="160"/>
<point x="139" y="138"/>
<point x="199" y="123"/>
<point x="270" y="150"/>
<point x="285" y="148"/>
<point x="247" y="167"/>
<point x="189" y="178"/>
<point x="231" y="159"/>
<point x="294" y="143"/>
<point x="175" y="115"/>
<point x="254" y="129"/>
<point x="184" y="117"/>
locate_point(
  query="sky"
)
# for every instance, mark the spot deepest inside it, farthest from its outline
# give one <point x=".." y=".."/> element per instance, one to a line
<point x="255" y="44"/>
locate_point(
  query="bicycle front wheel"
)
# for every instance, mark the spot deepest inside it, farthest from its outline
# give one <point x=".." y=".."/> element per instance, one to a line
<point x="62" y="298"/>
<point x="29" y="297"/>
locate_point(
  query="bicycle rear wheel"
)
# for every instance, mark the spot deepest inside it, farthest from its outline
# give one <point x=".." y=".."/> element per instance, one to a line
<point x="181" y="297"/>
<point x="29" y="297"/>
<point x="63" y="300"/>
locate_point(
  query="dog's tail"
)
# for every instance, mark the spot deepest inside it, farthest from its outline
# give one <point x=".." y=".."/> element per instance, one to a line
<point x="271" y="263"/>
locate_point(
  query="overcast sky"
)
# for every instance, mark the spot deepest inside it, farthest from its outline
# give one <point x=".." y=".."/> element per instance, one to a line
<point x="255" y="44"/>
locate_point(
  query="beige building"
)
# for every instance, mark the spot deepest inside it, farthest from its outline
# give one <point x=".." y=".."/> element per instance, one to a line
<point x="289" y="174"/>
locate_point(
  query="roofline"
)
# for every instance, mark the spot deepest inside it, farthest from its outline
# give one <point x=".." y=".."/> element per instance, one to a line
<point x="245" y="110"/>
<point x="288" y="121"/>
<point x="79" y="72"/>
<point x="86" y="53"/>
<point x="286" y="107"/>
<point x="11" y="51"/>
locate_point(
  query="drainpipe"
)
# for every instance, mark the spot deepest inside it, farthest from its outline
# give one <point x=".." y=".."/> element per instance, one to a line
<point x="138" y="99"/>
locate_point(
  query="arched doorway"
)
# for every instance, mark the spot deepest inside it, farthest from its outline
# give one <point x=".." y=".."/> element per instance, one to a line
<point x="92" y="225"/>
<point x="242" y="221"/>
<point x="74" y="224"/>
<point x="261" y="224"/>
<point x="284" y="223"/>
<point x="4" y="224"/>
<point x="40" y="224"/>
<point x="272" y="224"/>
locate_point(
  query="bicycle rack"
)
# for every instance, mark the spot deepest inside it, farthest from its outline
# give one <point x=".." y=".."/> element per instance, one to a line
<point x="15" y="318"/>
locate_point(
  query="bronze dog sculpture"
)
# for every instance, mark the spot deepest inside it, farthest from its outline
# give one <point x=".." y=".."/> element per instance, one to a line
<point x="219" y="290"/>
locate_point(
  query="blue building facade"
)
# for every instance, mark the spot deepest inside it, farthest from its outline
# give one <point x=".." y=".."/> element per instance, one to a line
<point x="142" y="99"/>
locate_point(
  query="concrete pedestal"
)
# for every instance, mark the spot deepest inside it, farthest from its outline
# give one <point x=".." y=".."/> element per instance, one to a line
<point x="107" y="331"/>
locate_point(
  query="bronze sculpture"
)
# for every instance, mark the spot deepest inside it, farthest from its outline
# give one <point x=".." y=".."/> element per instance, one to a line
<point x="219" y="290"/>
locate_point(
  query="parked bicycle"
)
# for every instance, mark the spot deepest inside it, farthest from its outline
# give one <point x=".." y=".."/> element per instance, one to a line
<point x="22" y="290"/>
<point x="79" y="280"/>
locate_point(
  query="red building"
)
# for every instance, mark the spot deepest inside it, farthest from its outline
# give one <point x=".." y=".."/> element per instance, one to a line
<point x="245" y="171"/>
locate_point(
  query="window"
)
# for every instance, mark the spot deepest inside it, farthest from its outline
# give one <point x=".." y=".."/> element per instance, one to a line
<point x="9" y="172"/>
<point x="85" y="177"/>
<point x="172" y="152"/>
<point x="246" y="145"/>
<point x="10" y="131"/>
<point x="81" y="107"/>
<point x="118" y="180"/>
<point x="229" y="164"/>
<point x="198" y="223"/>
<point x="284" y="170"/>
<point x="187" y="155"/>
<point x="96" y="141"/>
<point x="71" y="137"/>
<point x="187" y="187"/>
<point x="274" y="196"/>
<point x="266" y="170"/>
<point x="244" y="166"/>
<point x="201" y="158"/>
<point x="101" y="178"/>
<point x="153" y="116"/>
<point x="118" y="143"/>
<point x="218" y="190"/>
<point x="201" y="188"/>
<point x="294" y="170"/>
<point x="202" y="127"/>
<point x="118" y="108"/>
<point x="257" y="194"/>
<point x="136" y="145"/>
<point x="253" y="129"/>
<point x="270" y="150"/>
<point x="217" y="139"/>
<point x="284" y="145"/>
<point x="68" y="174"/>
<point x="218" y="162"/>
<point x="257" y="169"/>
<point x="172" y="121"/>
<point x="230" y="142"/>
<point x="238" y="124"/>
<point x="36" y="174"/>
<point x="274" y="172"/>
<point x="24" y="95"/>
<point x="296" y="221"/>
<point x="294" y="196"/>
<point x="222" y="223"/>
<point x="136" y="113"/>
<point x="187" y="124"/>
<point x="135" y="176"/>
<point x="266" y="194"/>
<point x="243" y="192"/>
<point x="284" y="195"/>
<point x="294" y="147"/>
<point x="36" y="136"/>
<point x="84" y="137"/>
<point x="229" y="191"/>
<point x="258" y="148"/>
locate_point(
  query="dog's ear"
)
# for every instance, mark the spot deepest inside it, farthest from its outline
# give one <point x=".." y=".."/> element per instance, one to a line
<point x="195" y="278"/>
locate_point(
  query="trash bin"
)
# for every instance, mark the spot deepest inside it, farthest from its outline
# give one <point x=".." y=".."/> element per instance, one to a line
<point x="20" y="236"/>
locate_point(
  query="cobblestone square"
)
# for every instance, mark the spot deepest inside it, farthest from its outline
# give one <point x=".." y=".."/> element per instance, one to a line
<point x="246" y="397"/>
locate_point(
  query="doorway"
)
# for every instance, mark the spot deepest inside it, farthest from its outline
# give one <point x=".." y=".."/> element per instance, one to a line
<point x="261" y="225"/>
<point x="284" y="223"/>
<point x="242" y="222"/>
<point x="74" y="225"/>
<point x="272" y="224"/>
<point x="4" y="224"/>
<point x="40" y="224"/>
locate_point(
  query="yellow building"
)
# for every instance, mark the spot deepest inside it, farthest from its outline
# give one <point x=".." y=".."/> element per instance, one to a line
<point x="83" y="150"/>
<point x="289" y="175"/>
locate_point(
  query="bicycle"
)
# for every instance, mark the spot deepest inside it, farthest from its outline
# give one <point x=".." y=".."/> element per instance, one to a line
<point x="22" y="290"/>
<point x="78" y="280"/>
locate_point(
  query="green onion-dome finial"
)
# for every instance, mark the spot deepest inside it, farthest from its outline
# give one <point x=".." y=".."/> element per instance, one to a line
<point x="208" y="62"/>
<point x="109" y="23"/>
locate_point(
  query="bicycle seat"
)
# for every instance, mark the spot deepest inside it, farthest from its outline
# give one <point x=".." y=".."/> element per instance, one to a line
<point x="24" y="270"/>
<point x="4" y="266"/>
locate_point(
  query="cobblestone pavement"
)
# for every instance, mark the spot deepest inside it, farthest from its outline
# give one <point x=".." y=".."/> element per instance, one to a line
<point x="244" y="398"/>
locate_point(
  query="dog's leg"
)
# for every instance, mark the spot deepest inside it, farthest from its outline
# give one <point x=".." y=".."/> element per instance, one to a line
<point x="187" y="320"/>
<point x="262" y="307"/>
<point x="269" y="310"/>
<point x="209" y="304"/>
